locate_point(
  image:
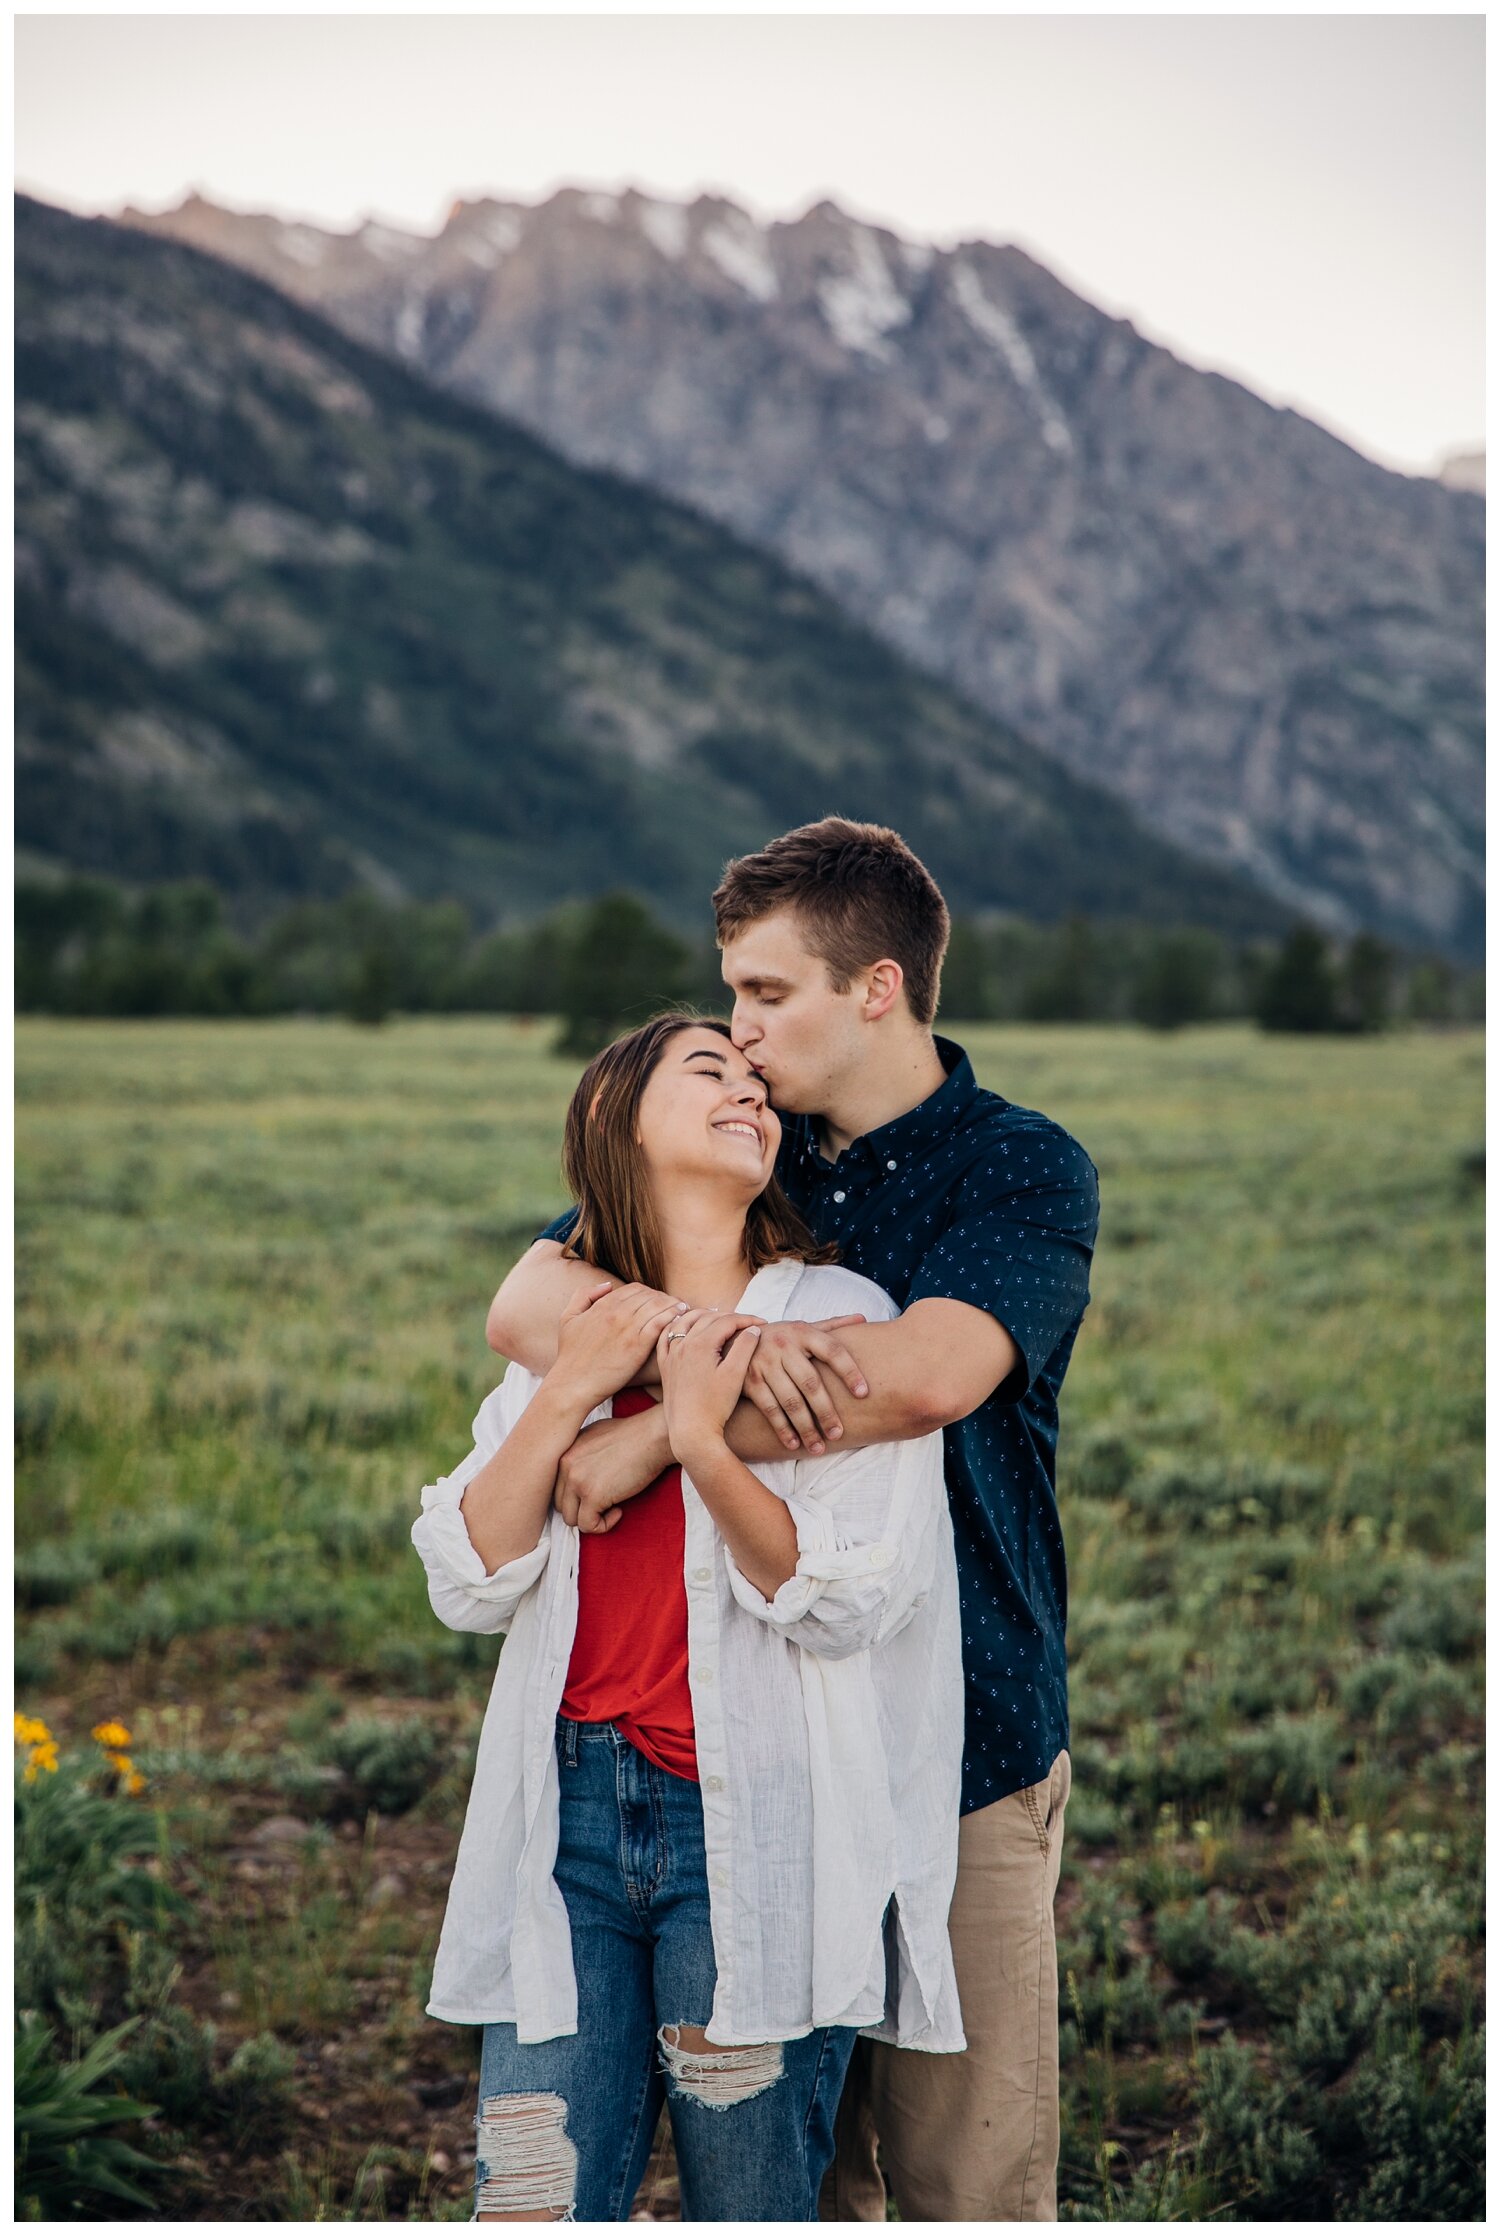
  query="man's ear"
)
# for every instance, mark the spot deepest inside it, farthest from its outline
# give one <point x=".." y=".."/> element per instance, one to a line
<point x="883" y="983"/>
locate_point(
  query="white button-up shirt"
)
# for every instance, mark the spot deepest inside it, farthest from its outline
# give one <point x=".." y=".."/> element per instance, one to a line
<point x="828" y="1725"/>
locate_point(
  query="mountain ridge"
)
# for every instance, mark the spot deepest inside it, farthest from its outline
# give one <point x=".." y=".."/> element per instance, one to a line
<point x="293" y="618"/>
<point x="1264" y="643"/>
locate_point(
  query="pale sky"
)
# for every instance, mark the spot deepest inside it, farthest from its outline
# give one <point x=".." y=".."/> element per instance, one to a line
<point x="1293" y="200"/>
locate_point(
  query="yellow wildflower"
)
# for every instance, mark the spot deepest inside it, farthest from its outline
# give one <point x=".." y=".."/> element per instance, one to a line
<point x="112" y="1734"/>
<point x="31" y="1732"/>
<point x="134" y="1782"/>
<point x="43" y="1756"/>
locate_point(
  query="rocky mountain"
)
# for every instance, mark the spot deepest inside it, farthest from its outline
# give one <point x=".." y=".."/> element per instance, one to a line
<point x="1463" y="469"/>
<point x="1268" y="646"/>
<point x="290" y="618"/>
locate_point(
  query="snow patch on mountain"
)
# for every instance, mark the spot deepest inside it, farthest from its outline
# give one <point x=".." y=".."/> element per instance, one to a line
<point x="302" y="243"/>
<point x="999" y="329"/>
<point x="665" y="225"/>
<point x="411" y="325"/>
<point x="492" y="236"/>
<point x="863" y="305"/>
<point x="385" y="242"/>
<point x="739" y="248"/>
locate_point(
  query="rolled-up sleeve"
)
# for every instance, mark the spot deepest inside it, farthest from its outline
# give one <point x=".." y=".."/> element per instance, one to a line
<point x="1020" y="1243"/>
<point x="464" y="1594"/>
<point x="867" y="1524"/>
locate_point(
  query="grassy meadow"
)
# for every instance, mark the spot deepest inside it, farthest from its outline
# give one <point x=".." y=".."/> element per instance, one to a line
<point x="253" y="1262"/>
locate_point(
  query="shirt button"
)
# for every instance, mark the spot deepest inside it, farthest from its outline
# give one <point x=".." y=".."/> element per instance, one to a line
<point x="715" y="1784"/>
<point x="704" y="1676"/>
<point x="890" y="1164"/>
<point x="720" y="1878"/>
<point x="838" y="1195"/>
<point x="702" y="1575"/>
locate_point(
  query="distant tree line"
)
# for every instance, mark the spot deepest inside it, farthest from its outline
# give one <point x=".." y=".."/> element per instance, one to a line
<point x="88" y="948"/>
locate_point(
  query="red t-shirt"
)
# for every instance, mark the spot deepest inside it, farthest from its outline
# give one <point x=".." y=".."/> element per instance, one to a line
<point x="630" y="1653"/>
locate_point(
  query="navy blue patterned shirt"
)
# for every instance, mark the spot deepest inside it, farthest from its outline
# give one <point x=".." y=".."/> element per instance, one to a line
<point x="972" y="1197"/>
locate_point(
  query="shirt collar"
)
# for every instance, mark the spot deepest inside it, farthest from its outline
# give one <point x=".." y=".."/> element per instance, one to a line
<point x="769" y="1291"/>
<point x="916" y="1129"/>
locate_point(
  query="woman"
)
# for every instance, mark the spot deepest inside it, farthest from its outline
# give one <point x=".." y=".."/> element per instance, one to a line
<point x="713" y="1826"/>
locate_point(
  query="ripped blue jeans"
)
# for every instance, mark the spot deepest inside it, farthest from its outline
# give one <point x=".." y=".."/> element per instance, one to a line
<point x="566" y="2126"/>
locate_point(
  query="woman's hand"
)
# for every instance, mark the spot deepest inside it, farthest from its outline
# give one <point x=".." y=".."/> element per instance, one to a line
<point x="703" y="1358"/>
<point x="605" y="1337"/>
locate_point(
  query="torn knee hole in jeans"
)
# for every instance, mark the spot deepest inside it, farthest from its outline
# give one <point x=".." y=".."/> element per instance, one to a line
<point x="717" y="2077"/>
<point x="526" y="2161"/>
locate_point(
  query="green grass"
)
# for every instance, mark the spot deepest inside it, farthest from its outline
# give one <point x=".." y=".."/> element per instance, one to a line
<point x="253" y="1262"/>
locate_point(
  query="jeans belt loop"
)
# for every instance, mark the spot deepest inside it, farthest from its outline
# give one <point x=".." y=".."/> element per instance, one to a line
<point x="570" y="1742"/>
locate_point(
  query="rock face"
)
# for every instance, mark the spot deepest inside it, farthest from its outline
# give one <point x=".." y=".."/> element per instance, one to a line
<point x="1266" y="644"/>
<point x="1463" y="469"/>
<point x="291" y="618"/>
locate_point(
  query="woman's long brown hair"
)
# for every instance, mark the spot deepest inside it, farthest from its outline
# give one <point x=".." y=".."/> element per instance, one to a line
<point x="605" y="1166"/>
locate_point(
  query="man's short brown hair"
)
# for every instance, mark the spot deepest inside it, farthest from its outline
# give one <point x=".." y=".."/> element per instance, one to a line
<point x="859" y="892"/>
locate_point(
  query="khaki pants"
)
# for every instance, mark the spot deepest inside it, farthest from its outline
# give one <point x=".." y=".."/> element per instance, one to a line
<point x="972" y="2136"/>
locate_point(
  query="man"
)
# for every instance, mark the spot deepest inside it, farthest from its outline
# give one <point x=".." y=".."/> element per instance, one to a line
<point x="979" y="1217"/>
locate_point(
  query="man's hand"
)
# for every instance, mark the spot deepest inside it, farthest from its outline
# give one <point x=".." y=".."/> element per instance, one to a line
<point x="789" y="1376"/>
<point x="608" y="1464"/>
